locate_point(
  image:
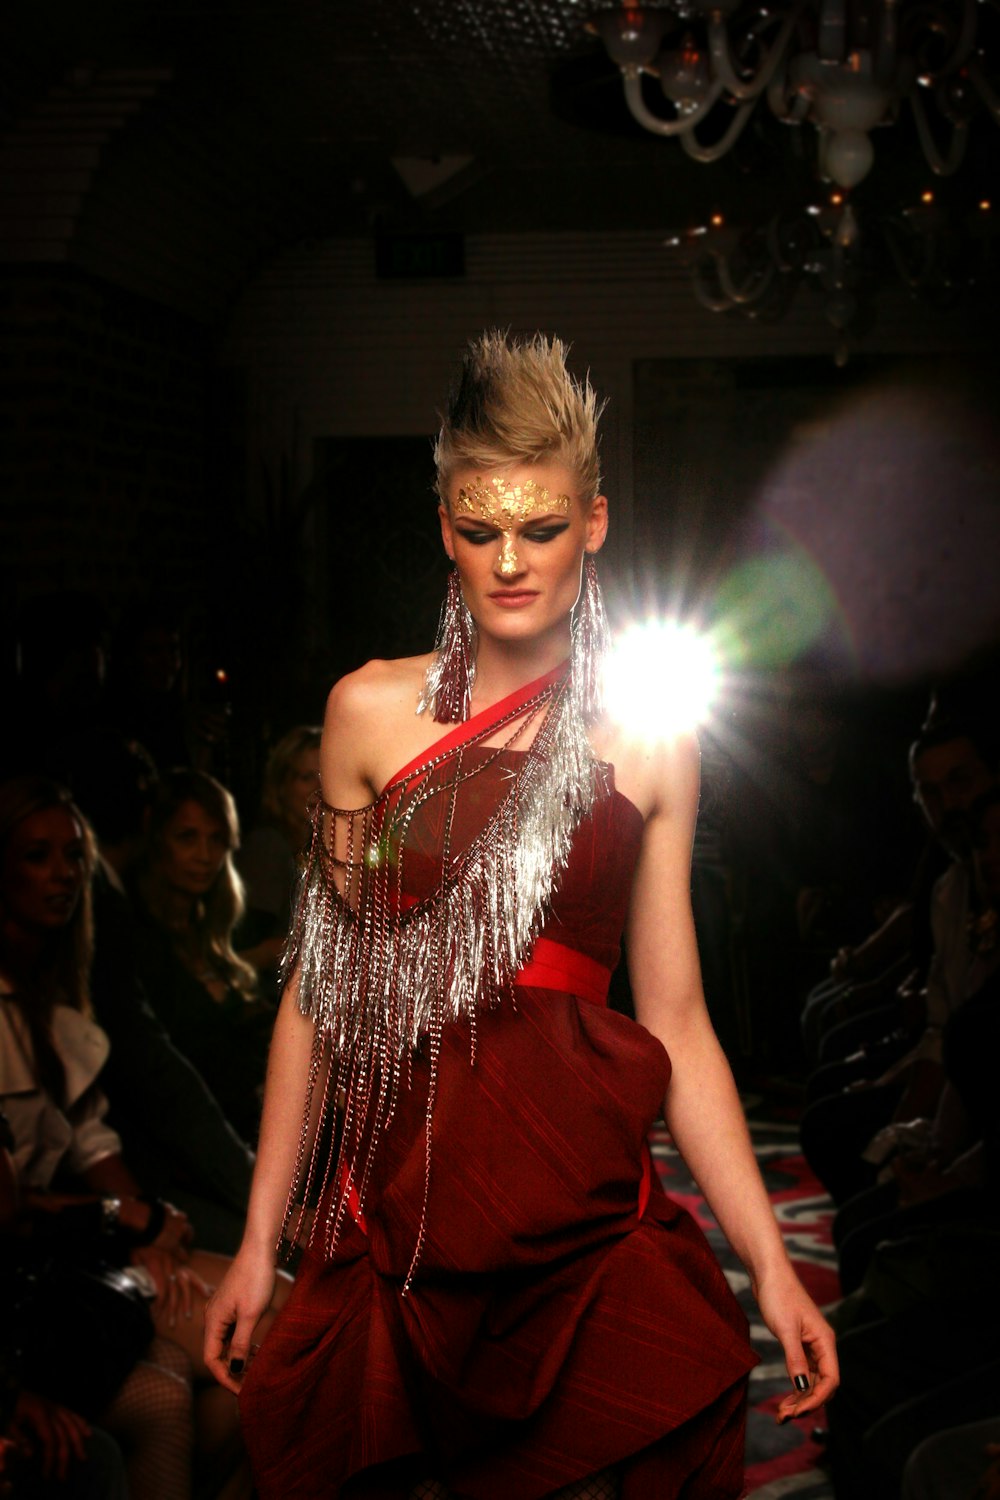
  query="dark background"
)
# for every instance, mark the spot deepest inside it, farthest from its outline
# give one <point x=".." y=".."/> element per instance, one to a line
<point x="188" y="190"/>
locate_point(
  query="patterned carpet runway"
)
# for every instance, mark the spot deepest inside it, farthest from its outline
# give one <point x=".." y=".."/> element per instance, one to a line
<point x="781" y="1461"/>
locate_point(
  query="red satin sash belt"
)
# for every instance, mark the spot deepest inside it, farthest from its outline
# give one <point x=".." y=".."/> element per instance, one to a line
<point x="552" y="966"/>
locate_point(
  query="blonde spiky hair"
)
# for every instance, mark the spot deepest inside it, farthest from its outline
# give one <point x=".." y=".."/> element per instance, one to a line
<point x="517" y="403"/>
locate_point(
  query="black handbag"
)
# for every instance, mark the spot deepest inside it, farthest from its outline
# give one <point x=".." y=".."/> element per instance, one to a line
<point x="78" y="1331"/>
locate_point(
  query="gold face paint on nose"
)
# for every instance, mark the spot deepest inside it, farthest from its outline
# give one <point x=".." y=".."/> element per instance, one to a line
<point x="508" y="556"/>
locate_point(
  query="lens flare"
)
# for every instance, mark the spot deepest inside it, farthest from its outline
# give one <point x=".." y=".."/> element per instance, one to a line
<point x="662" y="678"/>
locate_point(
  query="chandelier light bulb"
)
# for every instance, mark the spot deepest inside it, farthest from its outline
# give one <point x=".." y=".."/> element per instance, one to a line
<point x="684" y="75"/>
<point x="847" y="232"/>
<point x="632" y="36"/>
<point x="848" y="157"/>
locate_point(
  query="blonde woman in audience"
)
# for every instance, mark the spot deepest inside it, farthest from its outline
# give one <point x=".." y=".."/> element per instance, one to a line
<point x="78" y="1194"/>
<point x="189" y="900"/>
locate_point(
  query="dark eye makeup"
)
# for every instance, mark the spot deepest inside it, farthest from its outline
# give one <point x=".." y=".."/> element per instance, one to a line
<point x="536" y="534"/>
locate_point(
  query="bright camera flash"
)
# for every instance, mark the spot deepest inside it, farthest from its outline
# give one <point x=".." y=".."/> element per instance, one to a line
<point x="661" y="679"/>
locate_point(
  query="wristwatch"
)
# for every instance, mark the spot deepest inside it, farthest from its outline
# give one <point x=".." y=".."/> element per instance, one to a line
<point x="157" y="1219"/>
<point x="111" y="1209"/>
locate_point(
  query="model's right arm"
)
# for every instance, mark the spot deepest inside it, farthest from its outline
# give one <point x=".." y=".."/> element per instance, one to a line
<point x="245" y="1291"/>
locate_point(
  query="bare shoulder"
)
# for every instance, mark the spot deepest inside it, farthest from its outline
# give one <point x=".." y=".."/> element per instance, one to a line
<point x="377" y="688"/>
<point x="661" y="777"/>
<point x="369" y="724"/>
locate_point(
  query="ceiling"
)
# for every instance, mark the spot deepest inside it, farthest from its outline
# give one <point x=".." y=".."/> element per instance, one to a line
<point x="505" y="114"/>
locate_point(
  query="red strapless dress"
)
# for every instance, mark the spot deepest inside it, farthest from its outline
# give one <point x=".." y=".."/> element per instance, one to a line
<point x="565" y="1315"/>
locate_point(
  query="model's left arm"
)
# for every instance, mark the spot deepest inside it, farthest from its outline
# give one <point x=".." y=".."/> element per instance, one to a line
<point x="702" y="1108"/>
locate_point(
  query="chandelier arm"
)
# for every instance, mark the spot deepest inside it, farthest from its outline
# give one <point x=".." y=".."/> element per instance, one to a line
<point x="941" y="166"/>
<point x="773" y="241"/>
<point x="644" y="115"/>
<point x="698" y="152"/>
<point x="914" y="282"/>
<point x="965" y="43"/>
<point x="986" y="92"/>
<point x="709" y="299"/>
<point x="751" y="290"/>
<point x="789" y="112"/>
<point x="718" y="43"/>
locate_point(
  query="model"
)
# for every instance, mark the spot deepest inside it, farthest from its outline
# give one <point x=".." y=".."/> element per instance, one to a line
<point x="496" y="1299"/>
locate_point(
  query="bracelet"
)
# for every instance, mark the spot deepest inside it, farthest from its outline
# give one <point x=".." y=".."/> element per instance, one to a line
<point x="111" y="1209"/>
<point x="157" y="1219"/>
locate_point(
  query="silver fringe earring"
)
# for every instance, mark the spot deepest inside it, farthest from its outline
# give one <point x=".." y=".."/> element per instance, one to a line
<point x="590" y="647"/>
<point x="449" y="678"/>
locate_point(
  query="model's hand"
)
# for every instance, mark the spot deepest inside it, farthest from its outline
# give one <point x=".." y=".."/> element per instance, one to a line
<point x="807" y="1340"/>
<point x="232" y="1315"/>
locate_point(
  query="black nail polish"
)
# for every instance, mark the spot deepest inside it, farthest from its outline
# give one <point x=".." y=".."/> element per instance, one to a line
<point x="236" y="1367"/>
<point x="801" y="1382"/>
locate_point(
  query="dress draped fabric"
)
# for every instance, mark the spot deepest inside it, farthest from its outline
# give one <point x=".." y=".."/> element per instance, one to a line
<point x="564" y="1316"/>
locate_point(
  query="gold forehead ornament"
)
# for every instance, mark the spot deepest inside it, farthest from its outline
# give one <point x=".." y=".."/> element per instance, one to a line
<point x="502" y="504"/>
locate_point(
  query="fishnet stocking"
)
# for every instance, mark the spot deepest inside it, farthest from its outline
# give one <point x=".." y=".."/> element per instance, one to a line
<point x="152" y="1417"/>
<point x="603" y="1486"/>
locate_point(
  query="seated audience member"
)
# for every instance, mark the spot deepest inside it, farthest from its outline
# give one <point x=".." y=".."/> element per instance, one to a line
<point x="961" y="1461"/>
<point x="866" y="996"/>
<point x="178" y="1141"/>
<point x="189" y="900"/>
<point x="917" y="1371"/>
<point x="859" y="982"/>
<point x="951" y="767"/>
<point x="921" y="1355"/>
<point x="859" y="1004"/>
<point x="268" y="857"/>
<point x="47" y="1451"/>
<point x="82" y="1207"/>
<point x="945" y="1169"/>
<point x="821" y="823"/>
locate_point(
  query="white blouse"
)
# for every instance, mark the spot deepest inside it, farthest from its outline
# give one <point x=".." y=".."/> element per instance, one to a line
<point x="47" y="1137"/>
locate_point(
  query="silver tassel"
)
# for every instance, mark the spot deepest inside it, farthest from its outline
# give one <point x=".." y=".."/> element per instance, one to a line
<point x="449" y="678"/>
<point x="376" y="985"/>
<point x="591" y="645"/>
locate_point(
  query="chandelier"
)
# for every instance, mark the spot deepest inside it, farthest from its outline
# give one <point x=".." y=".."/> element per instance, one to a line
<point x="698" y="69"/>
<point x="844" y="67"/>
<point x="842" y="255"/>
